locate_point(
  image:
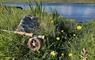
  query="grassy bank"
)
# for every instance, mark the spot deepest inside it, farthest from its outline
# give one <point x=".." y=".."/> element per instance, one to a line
<point x="65" y="38"/>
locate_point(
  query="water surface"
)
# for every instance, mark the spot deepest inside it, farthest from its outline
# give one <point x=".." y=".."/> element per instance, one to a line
<point x="78" y="11"/>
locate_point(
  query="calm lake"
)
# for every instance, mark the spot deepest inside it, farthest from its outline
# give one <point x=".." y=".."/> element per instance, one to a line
<point x="80" y="12"/>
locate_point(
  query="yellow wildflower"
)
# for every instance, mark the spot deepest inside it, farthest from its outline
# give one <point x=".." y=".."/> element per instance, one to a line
<point x="57" y="38"/>
<point x="79" y="27"/>
<point x="62" y="30"/>
<point x="52" y="21"/>
<point x="62" y="54"/>
<point x="53" y="53"/>
<point x="70" y="54"/>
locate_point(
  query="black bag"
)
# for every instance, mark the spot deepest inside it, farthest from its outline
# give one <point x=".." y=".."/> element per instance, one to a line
<point x="28" y="24"/>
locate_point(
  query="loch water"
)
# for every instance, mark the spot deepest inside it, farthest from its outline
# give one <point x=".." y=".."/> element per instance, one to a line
<point x="78" y="11"/>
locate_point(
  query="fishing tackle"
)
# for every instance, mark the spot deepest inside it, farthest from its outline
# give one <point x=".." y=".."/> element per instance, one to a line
<point x="28" y="25"/>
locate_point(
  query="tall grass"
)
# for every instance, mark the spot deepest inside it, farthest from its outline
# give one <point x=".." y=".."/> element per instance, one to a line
<point x="14" y="46"/>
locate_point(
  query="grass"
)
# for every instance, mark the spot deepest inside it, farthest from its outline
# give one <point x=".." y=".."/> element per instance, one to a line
<point x="74" y="44"/>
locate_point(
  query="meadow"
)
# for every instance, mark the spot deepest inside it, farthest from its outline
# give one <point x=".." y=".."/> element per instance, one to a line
<point x="65" y="39"/>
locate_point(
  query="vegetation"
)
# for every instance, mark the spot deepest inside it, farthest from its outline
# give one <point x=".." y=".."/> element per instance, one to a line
<point x="65" y="38"/>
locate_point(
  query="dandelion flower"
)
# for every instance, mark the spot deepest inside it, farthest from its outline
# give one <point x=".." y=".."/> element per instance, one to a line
<point x="53" y="53"/>
<point x="57" y="38"/>
<point x="62" y="54"/>
<point x="52" y="21"/>
<point x="62" y="30"/>
<point x="70" y="54"/>
<point x="79" y="27"/>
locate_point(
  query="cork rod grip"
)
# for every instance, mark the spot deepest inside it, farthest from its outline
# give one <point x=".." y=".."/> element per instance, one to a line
<point x="24" y="33"/>
<point x="20" y="33"/>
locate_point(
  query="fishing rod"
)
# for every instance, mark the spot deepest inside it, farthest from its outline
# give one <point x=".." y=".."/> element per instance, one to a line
<point x="34" y="42"/>
<point x="22" y="33"/>
<point x="17" y="32"/>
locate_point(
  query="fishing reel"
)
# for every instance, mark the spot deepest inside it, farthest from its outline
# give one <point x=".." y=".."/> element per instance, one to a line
<point x="35" y="42"/>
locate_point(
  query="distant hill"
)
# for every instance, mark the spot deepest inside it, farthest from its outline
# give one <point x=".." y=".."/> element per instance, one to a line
<point x="65" y="1"/>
